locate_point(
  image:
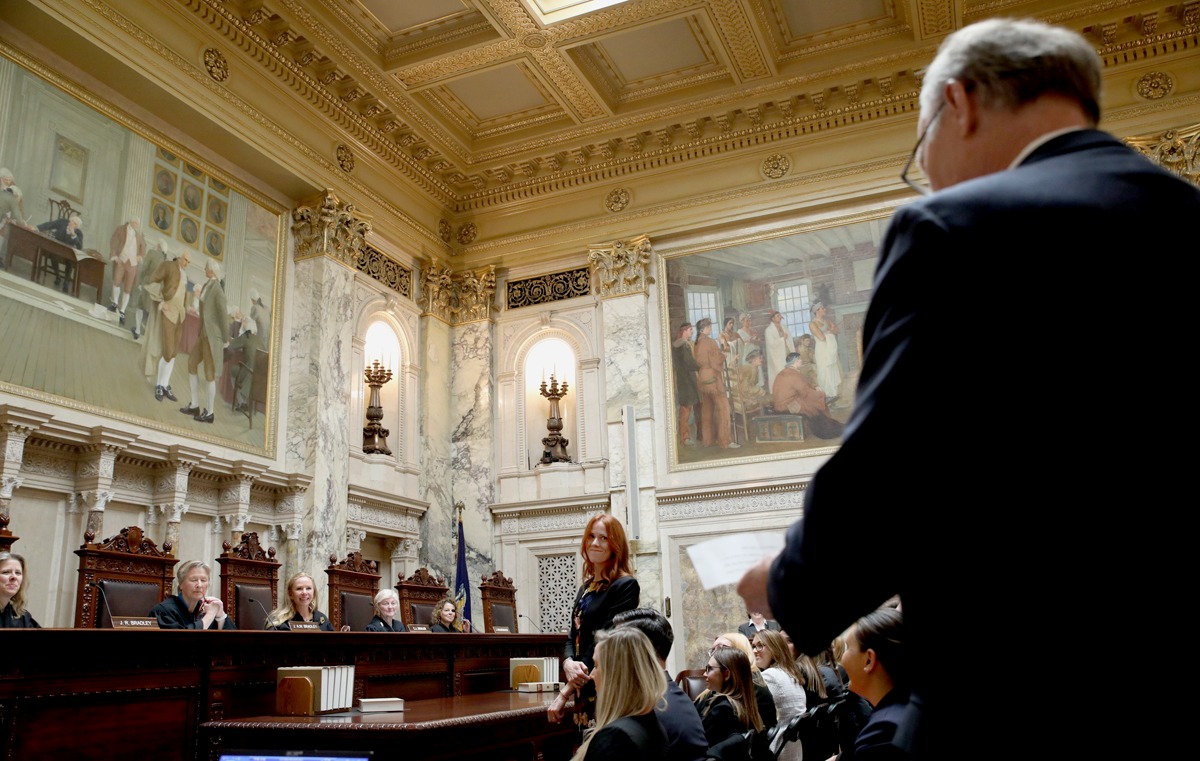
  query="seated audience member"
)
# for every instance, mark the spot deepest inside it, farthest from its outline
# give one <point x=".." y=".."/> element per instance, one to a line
<point x="191" y="607"/>
<point x="876" y="662"/>
<point x="12" y="594"/>
<point x="728" y="706"/>
<point x="629" y="684"/>
<point x="686" y="740"/>
<point x="756" y="623"/>
<point x="791" y="392"/>
<point x="387" y="602"/>
<point x="300" y="604"/>
<point x="786" y="682"/>
<point x="445" y="618"/>
<point x="762" y="693"/>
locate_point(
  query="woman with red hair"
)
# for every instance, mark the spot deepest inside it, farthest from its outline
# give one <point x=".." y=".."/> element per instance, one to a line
<point x="609" y="587"/>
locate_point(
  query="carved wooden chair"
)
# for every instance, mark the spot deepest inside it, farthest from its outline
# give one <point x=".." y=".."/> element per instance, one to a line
<point x="352" y="586"/>
<point x="692" y="682"/>
<point x="7" y="539"/>
<point x="499" y="603"/>
<point x="124" y="575"/>
<point x="60" y="209"/>
<point x="249" y="581"/>
<point x="419" y="595"/>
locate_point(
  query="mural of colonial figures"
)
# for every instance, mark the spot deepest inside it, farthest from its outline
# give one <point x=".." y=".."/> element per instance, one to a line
<point x="131" y="281"/>
<point x="765" y="342"/>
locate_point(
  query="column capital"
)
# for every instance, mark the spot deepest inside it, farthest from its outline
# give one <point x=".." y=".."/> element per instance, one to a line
<point x="622" y="267"/>
<point x="325" y="226"/>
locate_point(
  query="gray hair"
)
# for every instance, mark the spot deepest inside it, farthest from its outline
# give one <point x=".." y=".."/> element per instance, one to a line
<point x="384" y="594"/>
<point x="6" y="173"/>
<point x="187" y="567"/>
<point x="1011" y="62"/>
<point x="213" y="266"/>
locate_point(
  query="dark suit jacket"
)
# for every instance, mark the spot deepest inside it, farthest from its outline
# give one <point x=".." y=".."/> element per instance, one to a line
<point x="57" y="229"/>
<point x="173" y="613"/>
<point x="10" y="620"/>
<point x="749" y="630"/>
<point x="681" y="722"/>
<point x="969" y="476"/>
<point x="875" y="741"/>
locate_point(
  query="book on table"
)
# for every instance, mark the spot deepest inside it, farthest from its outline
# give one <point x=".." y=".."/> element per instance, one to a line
<point x="377" y="705"/>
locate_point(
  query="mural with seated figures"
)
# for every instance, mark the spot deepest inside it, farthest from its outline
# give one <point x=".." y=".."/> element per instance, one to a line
<point x="133" y="282"/>
<point x="765" y="340"/>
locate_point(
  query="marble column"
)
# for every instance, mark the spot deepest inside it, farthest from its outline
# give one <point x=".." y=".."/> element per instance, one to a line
<point x="459" y="432"/>
<point x="171" y="489"/>
<point x="94" y="474"/>
<point x="622" y="271"/>
<point x="234" y="505"/>
<point x="329" y="234"/>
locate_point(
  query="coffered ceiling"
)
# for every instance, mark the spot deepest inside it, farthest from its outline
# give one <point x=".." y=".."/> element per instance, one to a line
<point x="453" y="120"/>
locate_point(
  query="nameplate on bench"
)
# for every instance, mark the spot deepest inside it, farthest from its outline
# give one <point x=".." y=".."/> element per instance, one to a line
<point x="304" y="626"/>
<point x="134" y="622"/>
<point x="418" y="628"/>
<point x="500" y="630"/>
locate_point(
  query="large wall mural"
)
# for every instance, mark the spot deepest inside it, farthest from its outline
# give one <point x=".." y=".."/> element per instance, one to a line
<point x="133" y="282"/>
<point x="765" y="342"/>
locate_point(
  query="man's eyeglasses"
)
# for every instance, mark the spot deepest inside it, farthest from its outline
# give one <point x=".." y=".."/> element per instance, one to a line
<point x="912" y="157"/>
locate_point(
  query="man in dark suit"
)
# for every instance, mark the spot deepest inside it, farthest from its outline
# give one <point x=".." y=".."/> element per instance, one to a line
<point x="977" y="477"/>
<point x="69" y="231"/>
<point x="209" y="351"/>
<point x="681" y="721"/>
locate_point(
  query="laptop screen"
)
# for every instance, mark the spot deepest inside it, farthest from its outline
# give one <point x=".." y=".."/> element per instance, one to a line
<point x="307" y="755"/>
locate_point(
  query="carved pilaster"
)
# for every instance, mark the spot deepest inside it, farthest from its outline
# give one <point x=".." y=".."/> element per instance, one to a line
<point x="458" y="298"/>
<point x="97" y="460"/>
<point x="328" y="227"/>
<point x="622" y="267"/>
<point x="354" y="538"/>
<point x="15" y="427"/>
<point x="8" y="484"/>
<point x="234" y="500"/>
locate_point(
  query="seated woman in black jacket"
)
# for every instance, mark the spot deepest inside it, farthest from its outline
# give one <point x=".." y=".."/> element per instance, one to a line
<point x="300" y="605"/>
<point x="191" y="607"/>
<point x="629" y="684"/>
<point x="12" y="594"/>
<point x="387" y="602"/>
<point x="445" y="618"/>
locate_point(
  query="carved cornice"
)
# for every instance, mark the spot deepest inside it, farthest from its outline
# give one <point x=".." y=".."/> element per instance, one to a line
<point x="622" y="267"/>
<point x="330" y="228"/>
<point x="458" y="298"/>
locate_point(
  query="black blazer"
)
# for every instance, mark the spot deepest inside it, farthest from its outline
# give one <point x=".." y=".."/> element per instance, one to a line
<point x="9" y="620"/>
<point x="318" y="617"/>
<point x="629" y="738"/>
<point x="621" y="595"/>
<point x="749" y="630"/>
<point x="173" y="613"/>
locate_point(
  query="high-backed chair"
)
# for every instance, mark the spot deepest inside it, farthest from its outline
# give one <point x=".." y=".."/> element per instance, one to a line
<point x="249" y="581"/>
<point x="7" y="539"/>
<point x="499" y="603"/>
<point x="352" y="586"/>
<point x="692" y="682"/>
<point x="419" y="595"/>
<point x="61" y="209"/>
<point x="124" y="575"/>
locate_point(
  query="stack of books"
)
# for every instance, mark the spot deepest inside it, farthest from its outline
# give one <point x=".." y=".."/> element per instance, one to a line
<point x="329" y="688"/>
<point x="531" y="670"/>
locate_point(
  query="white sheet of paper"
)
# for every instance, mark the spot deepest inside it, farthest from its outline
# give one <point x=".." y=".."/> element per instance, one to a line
<point x="724" y="560"/>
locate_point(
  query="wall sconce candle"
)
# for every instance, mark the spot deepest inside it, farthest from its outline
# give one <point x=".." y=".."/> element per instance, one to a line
<point x="374" y="434"/>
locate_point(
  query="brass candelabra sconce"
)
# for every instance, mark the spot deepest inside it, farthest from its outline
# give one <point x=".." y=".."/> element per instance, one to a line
<point x="555" y="444"/>
<point x="374" y="434"/>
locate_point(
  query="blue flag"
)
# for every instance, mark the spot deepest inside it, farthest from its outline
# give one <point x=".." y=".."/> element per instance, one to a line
<point x="462" y="580"/>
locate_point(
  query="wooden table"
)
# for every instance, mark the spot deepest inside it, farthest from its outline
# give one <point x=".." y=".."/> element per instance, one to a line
<point x="35" y="247"/>
<point x="496" y="725"/>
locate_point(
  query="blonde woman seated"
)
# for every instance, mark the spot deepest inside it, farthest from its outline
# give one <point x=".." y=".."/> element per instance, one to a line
<point x="300" y="605"/>
<point x="629" y="684"/>
<point x="786" y="682"/>
<point x="191" y="607"/>
<point x="387" y="602"/>
<point x="13" y="614"/>
<point x="728" y="706"/>
<point x="445" y="618"/>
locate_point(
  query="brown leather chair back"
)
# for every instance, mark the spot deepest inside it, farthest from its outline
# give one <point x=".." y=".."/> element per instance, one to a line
<point x="127" y="571"/>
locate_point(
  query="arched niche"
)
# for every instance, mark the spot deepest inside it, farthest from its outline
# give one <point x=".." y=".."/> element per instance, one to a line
<point x="382" y="332"/>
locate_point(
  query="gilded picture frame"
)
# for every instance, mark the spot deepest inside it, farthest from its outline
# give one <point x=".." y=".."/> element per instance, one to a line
<point x="110" y="370"/>
<point x="730" y="414"/>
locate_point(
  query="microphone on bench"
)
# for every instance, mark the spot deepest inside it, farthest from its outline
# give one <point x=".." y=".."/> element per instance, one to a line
<point x="104" y="596"/>
<point x="266" y="616"/>
<point x="530" y="620"/>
